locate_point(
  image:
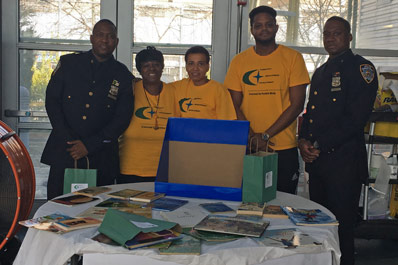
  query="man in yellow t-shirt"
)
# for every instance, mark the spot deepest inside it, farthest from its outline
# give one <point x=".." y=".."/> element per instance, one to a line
<point x="141" y="144"/>
<point x="267" y="83"/>
<point x="199" y="97"/>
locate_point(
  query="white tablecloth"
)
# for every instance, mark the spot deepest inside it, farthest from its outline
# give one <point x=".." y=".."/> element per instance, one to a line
<point x="46" y="248"/>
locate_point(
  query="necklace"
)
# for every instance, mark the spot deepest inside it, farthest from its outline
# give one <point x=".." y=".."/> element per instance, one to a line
<point x="154" y="114"/>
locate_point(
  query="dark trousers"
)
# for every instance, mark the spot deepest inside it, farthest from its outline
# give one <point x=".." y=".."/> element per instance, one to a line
<point x="336" y="184"/>
<point x="133" y="179"/>
<point x="288" y="166"/>
<point x="106" y="174"/>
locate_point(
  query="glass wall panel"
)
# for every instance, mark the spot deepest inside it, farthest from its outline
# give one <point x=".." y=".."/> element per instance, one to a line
<point x="377" y="25"/>
<point x="35" y="71"/>
<point x="57" y="20"/>
<point x="384" y="62"/>
<point x="301" y="22"/>
<point x="174" y="68"/>
<point x="34" y="141"/>
<point x="313" y="61"/>
<point x="173" y="22"/>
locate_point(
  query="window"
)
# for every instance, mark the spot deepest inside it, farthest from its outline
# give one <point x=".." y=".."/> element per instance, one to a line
<point x="173" y="22"/>
<point x="172" y="27"/>
<point x="301" y="26"/>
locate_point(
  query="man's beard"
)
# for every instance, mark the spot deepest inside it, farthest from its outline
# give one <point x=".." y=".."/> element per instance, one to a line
<point x="266" y="42"/>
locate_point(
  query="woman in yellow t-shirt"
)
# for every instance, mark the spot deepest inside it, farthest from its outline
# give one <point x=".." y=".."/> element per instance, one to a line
<point x="154" y="103"/>
<point x="199" y="97"/>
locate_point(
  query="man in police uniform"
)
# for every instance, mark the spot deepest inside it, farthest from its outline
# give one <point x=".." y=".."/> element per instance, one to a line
<point x="331" y="139"/>
<point x="89" y="102"/>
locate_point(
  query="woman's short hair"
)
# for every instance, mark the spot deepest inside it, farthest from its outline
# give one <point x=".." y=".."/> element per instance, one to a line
<point x="146" y="55"/>
<point x="197" y="49"/>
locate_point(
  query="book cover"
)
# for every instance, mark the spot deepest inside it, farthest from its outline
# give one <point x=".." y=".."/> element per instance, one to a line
<point x="216" y="207"/>
<point x="186" y="245"/>
<point x="167" y="204"/>
<point x="310" y="217"/>
<point x="211" y="236"/>
<point x="152" y="238"/>
<point x="233" y="225"/>
<point x="286" y="238"/>
<point x="274" y="211"/>
<point x="77" y="223"/>
<point x="45" y="222"/>
<point x="125" y="194"/>
<point x="104" y="239"/>
<point x="92" y="191"/>
<point x="147" y="196"/>
<point x="99" y="211"/>
<point x="120" y="203"/>
<point x="74" y="200"/>
<point x="251" y="208"/>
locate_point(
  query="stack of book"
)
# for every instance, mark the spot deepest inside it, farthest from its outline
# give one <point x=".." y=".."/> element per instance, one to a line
<point x="59" y="223"/>
<point x="136" y="195"/>
<point x="261" y="209"/>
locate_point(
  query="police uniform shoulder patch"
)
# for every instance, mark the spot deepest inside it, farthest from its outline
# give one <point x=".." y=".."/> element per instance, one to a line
<point x="56" y="68"/>
<point x="368" y="72"/>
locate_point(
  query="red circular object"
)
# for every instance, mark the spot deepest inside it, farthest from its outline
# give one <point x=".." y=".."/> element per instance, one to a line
<point x="21" y="166"/>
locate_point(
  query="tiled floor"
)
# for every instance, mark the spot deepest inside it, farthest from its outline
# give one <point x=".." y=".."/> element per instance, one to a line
<point x="376" y="252"/>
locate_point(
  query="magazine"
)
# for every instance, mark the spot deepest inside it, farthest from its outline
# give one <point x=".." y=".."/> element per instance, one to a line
<point x="310" y="217"/>
<point x="74" y="200"/>
<point x="216" y="207"/>
<point x="92" y="191"/>
<point x="167" y="204"/>
<point x="45" y="222"/>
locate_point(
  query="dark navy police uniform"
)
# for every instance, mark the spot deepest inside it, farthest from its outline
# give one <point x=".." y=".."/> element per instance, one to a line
<point x="341" y="98"/>
<point x="89" y="101"/>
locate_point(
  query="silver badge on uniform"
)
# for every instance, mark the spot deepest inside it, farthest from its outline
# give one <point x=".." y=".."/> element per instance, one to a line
<point x="114" y="90"/>
<point x="336" y="82"/>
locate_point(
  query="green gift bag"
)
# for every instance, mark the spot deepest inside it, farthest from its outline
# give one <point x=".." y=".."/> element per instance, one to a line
<point x="260" y="174"/>
<point x="76" y="178"/>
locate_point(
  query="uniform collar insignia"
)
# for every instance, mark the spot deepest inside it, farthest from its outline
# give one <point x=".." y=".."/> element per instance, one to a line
<point x="367" y="72"/>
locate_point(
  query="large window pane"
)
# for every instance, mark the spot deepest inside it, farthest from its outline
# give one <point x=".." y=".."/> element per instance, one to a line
<point x="377" y="25"/>
<point x="313" y="61"/>
<point x="301" y="22"/>
<point x="385" y="62"/>
<point x="34" y="141"/>
<point x="173" y="22"/>
<point x="57" y="20"/>
<point x="35" y="72"/>
<point x="174" y="68"/>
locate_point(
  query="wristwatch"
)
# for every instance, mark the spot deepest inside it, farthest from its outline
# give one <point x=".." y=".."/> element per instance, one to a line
<point x="265" y="136"/>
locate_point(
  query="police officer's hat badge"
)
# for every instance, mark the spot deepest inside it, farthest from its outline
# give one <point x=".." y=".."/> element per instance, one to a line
<point x="367" y="72"/>
<point x="114" y="89"/>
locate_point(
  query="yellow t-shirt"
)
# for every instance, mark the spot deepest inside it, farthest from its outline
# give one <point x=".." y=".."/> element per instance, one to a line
<point x="140" y="145"/>
<point x="209" y="101"/>
<point x="264" y="82"/>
